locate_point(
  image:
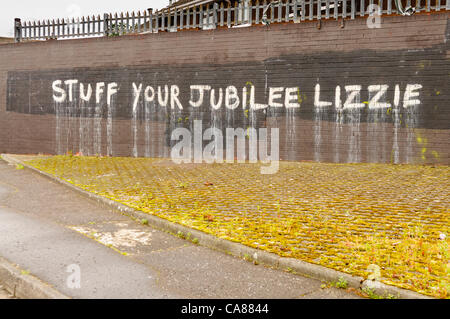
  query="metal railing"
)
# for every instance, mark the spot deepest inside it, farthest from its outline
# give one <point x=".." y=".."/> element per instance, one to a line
<point x="213" y="15"/>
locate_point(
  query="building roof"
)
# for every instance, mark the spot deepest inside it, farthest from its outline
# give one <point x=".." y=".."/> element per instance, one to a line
<point x="185" y="3"/>
<point x="179" y="3"/>
<point x="191" y="3"/>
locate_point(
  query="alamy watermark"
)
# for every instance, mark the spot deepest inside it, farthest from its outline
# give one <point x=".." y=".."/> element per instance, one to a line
<point x="73" y="16"/>
<point x="191" y="148"/>
<point x="374" y="19"/>
<point x="73" y="281"/>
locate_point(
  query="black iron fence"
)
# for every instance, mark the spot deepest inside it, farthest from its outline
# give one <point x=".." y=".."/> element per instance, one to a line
<point x="211" y="16"/>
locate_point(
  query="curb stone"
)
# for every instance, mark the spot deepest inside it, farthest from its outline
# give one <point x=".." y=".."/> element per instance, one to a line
<point x="25" y="286"/>
<point x="237" y="249"/>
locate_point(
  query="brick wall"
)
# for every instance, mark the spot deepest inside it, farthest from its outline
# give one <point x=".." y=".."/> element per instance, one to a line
<point x="6" y="40"/>
<point x="383" y="93"/>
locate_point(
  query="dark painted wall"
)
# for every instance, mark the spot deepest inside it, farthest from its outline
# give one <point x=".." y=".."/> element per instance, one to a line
<point x="407" y="56"/>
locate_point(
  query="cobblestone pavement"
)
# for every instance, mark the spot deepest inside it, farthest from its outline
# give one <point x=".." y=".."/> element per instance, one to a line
<point x="54" y="232"/>
<point x="387" y="221"/>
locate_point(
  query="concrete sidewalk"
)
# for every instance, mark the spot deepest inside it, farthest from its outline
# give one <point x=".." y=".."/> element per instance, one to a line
<point x="45" y="228"/>
<point x="4" y="294"/>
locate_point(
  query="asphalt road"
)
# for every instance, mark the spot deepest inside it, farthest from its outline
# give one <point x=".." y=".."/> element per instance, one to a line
<point x="86" y="250"/>
<point x="4" y="294"/>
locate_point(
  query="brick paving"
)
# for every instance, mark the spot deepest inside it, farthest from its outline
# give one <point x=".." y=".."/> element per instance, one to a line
<point x="350" y="217"/>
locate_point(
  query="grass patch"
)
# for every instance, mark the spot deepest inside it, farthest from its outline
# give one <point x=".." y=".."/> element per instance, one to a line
<point x="341" y="283"/>
<point x="370" y="293"/>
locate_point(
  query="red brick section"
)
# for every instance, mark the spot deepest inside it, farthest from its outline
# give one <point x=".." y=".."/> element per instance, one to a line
<point x="421" y="40"/>
<point x="228" y="45"/>
<point x="6" y="40"/>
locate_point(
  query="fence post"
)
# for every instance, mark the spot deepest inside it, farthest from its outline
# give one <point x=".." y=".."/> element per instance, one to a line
<point x="106" y="24"/>
<point x="295" y="11"/>
<point x="17" y="30"/>
<point x="250" y="13"/>
<point x="215" y="15"/>
<point x="288" y="9"/>
<point x="150" y="20"/>
<point x="175" y="19"/>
